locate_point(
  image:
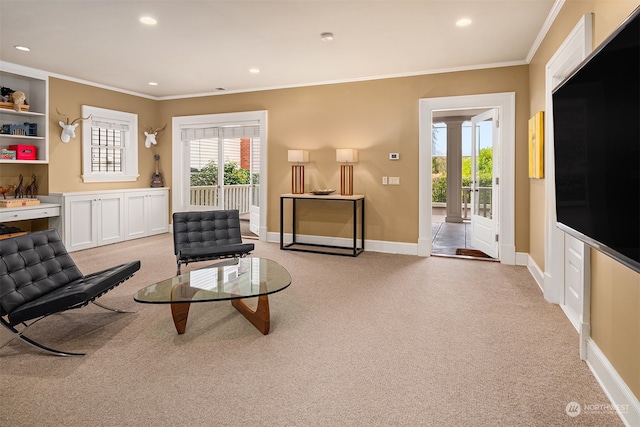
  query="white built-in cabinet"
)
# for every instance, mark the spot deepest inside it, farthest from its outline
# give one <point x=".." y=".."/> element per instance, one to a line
<point x="90" y="219"/>
<point x="147" y="213"/>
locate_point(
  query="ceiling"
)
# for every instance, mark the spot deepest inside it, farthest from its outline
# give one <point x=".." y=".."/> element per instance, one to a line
<point x="201" y="47"/>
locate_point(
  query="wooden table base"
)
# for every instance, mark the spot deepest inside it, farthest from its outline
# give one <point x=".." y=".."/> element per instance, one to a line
<point x="260" y="317"/>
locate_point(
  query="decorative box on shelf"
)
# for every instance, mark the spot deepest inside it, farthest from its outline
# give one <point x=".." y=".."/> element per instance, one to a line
<point x="9" y="106"/>
<point x="14" y="203"/>
<point x="7" y="154"/>
<point x="24" y="152"/>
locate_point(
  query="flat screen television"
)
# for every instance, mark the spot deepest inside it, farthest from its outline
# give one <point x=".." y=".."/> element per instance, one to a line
<point x="596" y="138"/>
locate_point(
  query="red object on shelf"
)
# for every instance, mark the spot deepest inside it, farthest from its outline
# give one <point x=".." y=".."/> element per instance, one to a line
<point x="24" y="152"/>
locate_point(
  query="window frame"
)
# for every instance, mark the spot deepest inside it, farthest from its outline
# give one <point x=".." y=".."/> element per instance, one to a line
<point x="130" y="145"/>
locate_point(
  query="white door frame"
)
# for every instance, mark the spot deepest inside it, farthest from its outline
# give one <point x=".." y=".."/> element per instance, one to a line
<point x="505" y="103"/>
<point x="575" y="48"/>
<point x="179" y="199"/>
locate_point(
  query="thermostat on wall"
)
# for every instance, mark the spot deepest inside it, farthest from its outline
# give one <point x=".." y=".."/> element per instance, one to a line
<point x="394" y="156"/>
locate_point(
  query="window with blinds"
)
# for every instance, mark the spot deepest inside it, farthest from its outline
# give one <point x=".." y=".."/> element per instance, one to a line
<point x="109" y="141"/>
<point x="106" y="149"/>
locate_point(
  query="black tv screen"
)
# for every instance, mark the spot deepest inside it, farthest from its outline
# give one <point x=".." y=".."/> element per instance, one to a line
<point x="596" y="136"/>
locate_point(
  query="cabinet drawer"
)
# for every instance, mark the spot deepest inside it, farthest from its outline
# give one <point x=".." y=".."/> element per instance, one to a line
<point x="24" y="214"/>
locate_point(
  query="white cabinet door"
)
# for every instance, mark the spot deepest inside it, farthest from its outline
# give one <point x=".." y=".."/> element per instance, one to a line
<point x="158" y="212"/>
<point x="136" y="214"/>
<point x="79" y="223"/>
<point x="110" y="221"/>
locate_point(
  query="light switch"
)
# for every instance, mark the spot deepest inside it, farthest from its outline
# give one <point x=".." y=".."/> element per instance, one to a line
<point x="384" y="180"/>
<point x="394" y="180"/>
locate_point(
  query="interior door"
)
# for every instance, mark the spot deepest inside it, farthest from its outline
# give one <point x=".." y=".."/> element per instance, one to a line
<point x="484" y="182"/>
<point x="254" y="212"/>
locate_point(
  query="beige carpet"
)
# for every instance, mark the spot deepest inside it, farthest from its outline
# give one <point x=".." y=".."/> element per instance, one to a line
<point x="377" y="340"/>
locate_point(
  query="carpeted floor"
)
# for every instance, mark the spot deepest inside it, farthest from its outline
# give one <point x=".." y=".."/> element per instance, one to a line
<point x="377" y="340"/>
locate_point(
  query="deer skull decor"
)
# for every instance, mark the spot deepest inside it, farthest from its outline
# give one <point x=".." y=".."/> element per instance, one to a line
<point x="69" y="129"/>
<point x="151" y="135"/>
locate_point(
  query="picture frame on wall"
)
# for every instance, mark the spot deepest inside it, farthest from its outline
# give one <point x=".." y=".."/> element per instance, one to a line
<point x="536" y="145"/>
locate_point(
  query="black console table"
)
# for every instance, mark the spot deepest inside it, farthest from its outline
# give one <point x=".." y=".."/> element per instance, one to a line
<point x="354" y="250"/>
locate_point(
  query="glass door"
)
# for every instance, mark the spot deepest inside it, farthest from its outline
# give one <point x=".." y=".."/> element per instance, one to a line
<point x="224" y="169"/>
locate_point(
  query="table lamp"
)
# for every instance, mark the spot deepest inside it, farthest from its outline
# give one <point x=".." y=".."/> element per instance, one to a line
<point x="346" y="155"/>
<point x="297" y="170"/>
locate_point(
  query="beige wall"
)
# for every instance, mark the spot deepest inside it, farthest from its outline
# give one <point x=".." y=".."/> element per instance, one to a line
<point x="65" y="160"/>
<point x="375" y="117"/>
<point x="615" y="290"/>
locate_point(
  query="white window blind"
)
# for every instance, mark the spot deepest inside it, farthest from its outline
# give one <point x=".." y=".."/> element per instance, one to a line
<point x="224" y="132"/>
<point x="109" y="124"/>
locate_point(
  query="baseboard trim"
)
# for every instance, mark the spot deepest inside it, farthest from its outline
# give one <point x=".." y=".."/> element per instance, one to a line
<point x="401" y="248"/>
<point x="535" y="272"/>
<point x="522" y="259"/>
<point x="622" y="398"/>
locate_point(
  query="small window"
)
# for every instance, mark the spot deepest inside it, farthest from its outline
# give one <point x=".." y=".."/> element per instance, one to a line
<point x="109" y="145"/>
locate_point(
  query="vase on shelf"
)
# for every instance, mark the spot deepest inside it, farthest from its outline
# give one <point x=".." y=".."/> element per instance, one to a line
<point x="156" y="178"/>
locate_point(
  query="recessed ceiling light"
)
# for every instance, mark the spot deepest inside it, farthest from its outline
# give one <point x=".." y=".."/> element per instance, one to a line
<point x="326" y="37"/>
<point x="153" y="84"/>
<point x="147" y="20"/>
<point x="463" y="22"/>
<point x="254" y="70"/>
<point x="23" y="48"/>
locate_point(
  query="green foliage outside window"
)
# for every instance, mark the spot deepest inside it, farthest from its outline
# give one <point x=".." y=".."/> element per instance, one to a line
<point x="439" y="175"/>
<point x="233" y="175"/>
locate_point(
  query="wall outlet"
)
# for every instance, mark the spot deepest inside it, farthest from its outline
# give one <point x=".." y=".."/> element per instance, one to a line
<point x="394" y="180"/>
<point x="385" y="181"/>
<point x="394" y="156"/>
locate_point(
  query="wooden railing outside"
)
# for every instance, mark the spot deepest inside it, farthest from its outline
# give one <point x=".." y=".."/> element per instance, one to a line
<point x="484" y="193"/>
<point x="235" y="196"/>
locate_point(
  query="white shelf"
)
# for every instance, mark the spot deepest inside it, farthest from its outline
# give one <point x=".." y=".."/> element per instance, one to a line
<point x="5" y="135"/>
<point x="21" y="113"/>
<point x="35" y="89"/>
<point x="24" y="162"/>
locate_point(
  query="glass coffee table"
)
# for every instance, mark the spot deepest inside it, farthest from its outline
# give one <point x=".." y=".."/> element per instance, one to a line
<point x="232" y="280"/>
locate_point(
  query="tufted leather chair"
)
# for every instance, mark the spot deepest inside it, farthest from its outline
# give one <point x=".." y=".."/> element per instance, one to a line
<point x="38" y="278"/>
<point x="208" y="235"/>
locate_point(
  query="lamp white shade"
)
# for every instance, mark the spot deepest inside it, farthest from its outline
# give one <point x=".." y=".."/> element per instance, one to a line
<point x="346" y="155"/>
<point x="299" y="156"/>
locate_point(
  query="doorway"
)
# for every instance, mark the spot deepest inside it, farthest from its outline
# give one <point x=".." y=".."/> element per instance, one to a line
<point x="219" y="163"/>
<point x="223" y="170"/>
<point x="504" y="209"/>
<point x="464" y="178"/>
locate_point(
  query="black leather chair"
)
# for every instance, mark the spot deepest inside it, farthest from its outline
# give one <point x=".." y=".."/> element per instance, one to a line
<point x="208" y="235"/>
<point x="38" y="278"/>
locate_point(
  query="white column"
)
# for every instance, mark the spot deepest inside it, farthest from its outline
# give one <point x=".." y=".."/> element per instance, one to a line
<point x="454" y="169"/>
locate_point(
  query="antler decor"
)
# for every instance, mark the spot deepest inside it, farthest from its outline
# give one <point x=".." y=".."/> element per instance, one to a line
<point x="151" y="135"/>
<point x="69" y="129"/>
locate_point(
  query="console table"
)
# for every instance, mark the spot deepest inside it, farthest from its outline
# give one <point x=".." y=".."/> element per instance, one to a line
<point x="354" y="250"/>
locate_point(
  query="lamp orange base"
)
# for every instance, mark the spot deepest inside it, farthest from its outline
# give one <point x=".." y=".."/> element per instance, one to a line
<point x="346" y="180"/>
<point x="297" y="179"/>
